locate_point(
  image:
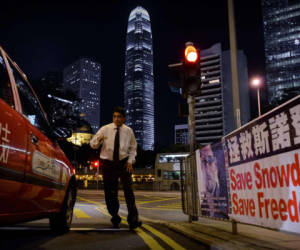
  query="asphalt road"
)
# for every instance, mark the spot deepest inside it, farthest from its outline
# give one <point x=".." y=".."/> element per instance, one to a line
<point x="91" y="227"/>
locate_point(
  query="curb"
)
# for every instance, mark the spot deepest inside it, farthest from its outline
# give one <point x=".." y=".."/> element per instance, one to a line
<point x="219" y="239"/>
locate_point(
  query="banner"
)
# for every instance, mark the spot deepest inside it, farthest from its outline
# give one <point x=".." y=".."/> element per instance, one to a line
<point x="264" y="171"/>
<point x="212" y="184"/>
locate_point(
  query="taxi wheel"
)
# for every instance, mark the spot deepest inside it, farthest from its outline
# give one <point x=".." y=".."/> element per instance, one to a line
<point x="61" y="222"/>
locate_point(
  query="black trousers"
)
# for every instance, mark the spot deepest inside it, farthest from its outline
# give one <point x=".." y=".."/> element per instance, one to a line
<point x="111" y="173"/>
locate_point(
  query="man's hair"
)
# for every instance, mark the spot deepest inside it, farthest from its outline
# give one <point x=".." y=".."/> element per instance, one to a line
<point x="120" y="110"/>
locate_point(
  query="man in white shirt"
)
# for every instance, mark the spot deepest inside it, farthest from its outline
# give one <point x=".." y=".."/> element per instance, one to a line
<point x="117" y="156"/>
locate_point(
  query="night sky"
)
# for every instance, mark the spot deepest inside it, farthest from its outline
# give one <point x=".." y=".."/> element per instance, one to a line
<point x="47" y="36"/>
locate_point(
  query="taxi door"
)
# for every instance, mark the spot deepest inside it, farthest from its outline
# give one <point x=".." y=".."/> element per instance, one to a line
<point x="41" y="189"/>
<point x="13" y="143"/>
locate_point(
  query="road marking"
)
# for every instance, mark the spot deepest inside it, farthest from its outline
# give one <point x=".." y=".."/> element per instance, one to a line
<point x="171" y="206"/>
<point x="159" y="208"/>
<point x="150" y="242"/>
<point x="97" y="229"/>
<point x="80" y="214"/>
<point x="90" y="201"/>
<point x="82" y="205"/>
<point x="165" y="238"/>
<point x="144" y="202"/>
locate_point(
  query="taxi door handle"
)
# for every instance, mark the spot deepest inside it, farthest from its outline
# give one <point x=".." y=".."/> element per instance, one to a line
<point x="34" y="139"/>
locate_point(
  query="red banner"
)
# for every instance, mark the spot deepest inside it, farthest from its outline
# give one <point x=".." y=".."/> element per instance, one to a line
<point x="264" y="172"/>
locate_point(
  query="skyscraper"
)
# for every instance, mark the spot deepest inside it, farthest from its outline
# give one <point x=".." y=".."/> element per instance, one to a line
<point x="282" y="47"/>
<point x="214" y="107"/>
<point x="84" y="77"/>
<point x="139" y="82"/>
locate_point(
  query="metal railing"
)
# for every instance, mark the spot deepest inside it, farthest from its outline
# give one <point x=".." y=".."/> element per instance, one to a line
<point x="189" y="188"/>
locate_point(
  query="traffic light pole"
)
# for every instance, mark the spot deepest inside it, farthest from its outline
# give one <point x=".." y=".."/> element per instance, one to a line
<point x="192" y="137"/>
<point x="191" y="122"/>
<point x="188" y="76"/>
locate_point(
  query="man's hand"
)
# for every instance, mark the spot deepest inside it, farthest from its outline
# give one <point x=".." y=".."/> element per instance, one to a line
<point x="129" y="168"/>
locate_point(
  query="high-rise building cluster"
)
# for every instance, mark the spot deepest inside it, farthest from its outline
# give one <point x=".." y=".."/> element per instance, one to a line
<point x="281" y="21"/>
<point x="84" y="78"/>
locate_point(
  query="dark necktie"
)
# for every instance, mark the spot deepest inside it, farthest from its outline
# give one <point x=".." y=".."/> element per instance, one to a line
<point x="116" y="146"/>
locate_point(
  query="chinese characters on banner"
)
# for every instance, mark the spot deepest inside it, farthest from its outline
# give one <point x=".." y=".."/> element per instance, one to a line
<point x="264" y="171"/>
<point x="4" y="142"/>
<point x="212" y="184"/>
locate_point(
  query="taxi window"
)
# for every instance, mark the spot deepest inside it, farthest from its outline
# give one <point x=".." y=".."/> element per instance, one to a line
<point x="30" y="106"/>
<point x="5" y="87"/>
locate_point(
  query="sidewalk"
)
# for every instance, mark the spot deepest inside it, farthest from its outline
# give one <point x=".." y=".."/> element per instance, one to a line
<point x="218" y="235"/>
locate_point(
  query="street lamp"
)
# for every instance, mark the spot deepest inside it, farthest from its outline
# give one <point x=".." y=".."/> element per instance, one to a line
<point x="256" y="82"/>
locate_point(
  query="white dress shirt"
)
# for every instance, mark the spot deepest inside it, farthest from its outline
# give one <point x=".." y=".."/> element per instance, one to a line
<point x="128" y="143"/>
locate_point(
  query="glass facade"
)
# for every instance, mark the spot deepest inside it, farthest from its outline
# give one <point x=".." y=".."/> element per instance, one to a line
<point x="139" y="82"/>
<point x="214" y="106"/>
<point x="182" y="134"/>
<point x="84" y="77"/>
<point x="282" y="47"/>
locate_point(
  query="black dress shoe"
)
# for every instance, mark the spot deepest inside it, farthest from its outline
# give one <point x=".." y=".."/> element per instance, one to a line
<point x="116" y="225"/>
<point x="116" y="221"/>
<point x="133" y="225"/>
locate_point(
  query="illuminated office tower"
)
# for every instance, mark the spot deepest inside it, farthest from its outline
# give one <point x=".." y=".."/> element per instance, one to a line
<point x="84" y="77"/>
<point x="281" y="20"/>
<point x="214" y="106"/>
<point x="139" y="83"/>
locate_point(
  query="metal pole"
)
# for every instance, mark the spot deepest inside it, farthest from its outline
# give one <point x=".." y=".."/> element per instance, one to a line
<point x="234" y="226"/>
<point x="182" y="187"/>
<point x="191" y="103"/>
<point x="192" y="134"/>
<point x="258" y="102"/>
<point x="234" y="66"/>
<point x="97" y="176"/>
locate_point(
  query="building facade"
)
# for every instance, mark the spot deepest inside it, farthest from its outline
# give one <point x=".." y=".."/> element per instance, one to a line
<point x="84" y="77"/>
<point x="214" y="107"/>
<point x="281" y="20"/>
<point x="182" y="134"/>
<point x="139" y="81"/>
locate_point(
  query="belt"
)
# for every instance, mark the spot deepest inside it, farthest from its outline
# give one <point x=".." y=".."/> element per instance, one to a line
<point x="123" y="161"/>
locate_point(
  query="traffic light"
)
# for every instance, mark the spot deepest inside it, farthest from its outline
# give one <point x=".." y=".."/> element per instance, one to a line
<point x="186" y="74"/>
<point x="191" y="54"/>
<point x="95" y="164"/>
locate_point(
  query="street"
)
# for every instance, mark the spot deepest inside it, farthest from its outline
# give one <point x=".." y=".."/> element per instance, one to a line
<point x="92" y="229"/>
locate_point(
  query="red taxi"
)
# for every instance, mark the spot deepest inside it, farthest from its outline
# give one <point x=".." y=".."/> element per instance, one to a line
<point x="36" y="178"/>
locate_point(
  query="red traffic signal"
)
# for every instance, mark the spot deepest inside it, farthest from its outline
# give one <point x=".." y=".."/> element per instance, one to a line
<point x="191" y="54"/>
<point x="187" y="74"/>
<point x="95" y="164"/>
